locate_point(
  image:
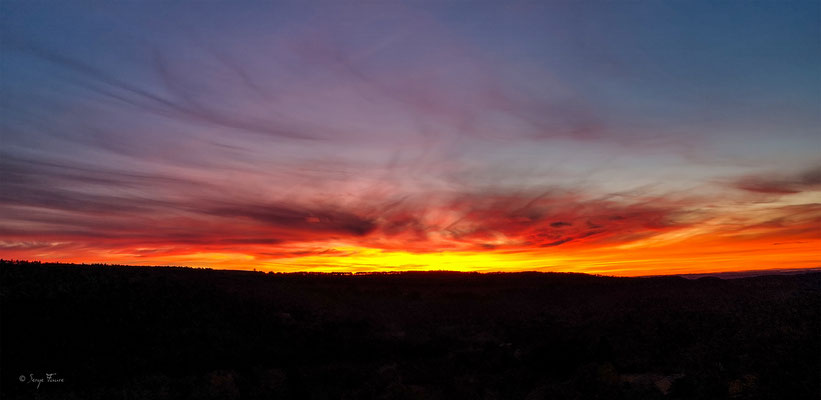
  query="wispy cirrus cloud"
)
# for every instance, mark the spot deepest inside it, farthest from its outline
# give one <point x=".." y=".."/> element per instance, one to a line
<point x="807" y="180"/>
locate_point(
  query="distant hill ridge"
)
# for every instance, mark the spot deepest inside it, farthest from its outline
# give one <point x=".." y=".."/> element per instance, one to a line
<point x="722" y="275"/>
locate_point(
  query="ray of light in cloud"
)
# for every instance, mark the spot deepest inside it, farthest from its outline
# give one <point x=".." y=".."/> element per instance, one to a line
<point x="616" y="138"/>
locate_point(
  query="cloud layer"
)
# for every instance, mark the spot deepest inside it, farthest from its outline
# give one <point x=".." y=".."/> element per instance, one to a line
<point x="411" y="136"/>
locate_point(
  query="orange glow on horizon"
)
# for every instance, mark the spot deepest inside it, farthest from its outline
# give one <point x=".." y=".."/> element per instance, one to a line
<point x="695" y="255"/>
<point x="483" y="234"/>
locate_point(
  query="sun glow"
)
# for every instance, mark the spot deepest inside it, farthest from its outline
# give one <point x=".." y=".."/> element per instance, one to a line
<point x="682" y="254"/>
<point x="358" y="259"/>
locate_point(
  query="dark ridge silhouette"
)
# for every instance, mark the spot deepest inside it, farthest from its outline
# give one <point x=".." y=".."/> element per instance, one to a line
<point x="124" y="332"/>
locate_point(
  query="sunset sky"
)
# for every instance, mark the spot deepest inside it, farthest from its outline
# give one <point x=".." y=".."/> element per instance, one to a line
<point x="621" y="138"/>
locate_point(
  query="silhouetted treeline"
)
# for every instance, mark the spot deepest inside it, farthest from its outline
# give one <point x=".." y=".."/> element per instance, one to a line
<point x="119" y="332"/>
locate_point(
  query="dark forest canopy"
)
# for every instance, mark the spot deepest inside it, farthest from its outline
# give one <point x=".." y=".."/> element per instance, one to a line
<point x="143" y="332"/>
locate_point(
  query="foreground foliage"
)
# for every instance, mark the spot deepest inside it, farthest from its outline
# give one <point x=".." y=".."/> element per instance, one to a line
<point x="115" y="332"/>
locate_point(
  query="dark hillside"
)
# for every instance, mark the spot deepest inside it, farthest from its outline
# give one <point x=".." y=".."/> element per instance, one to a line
<point x="118" y="332"/>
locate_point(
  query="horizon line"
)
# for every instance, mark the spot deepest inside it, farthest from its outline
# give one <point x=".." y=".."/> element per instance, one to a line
<point x="721" y="275"/>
